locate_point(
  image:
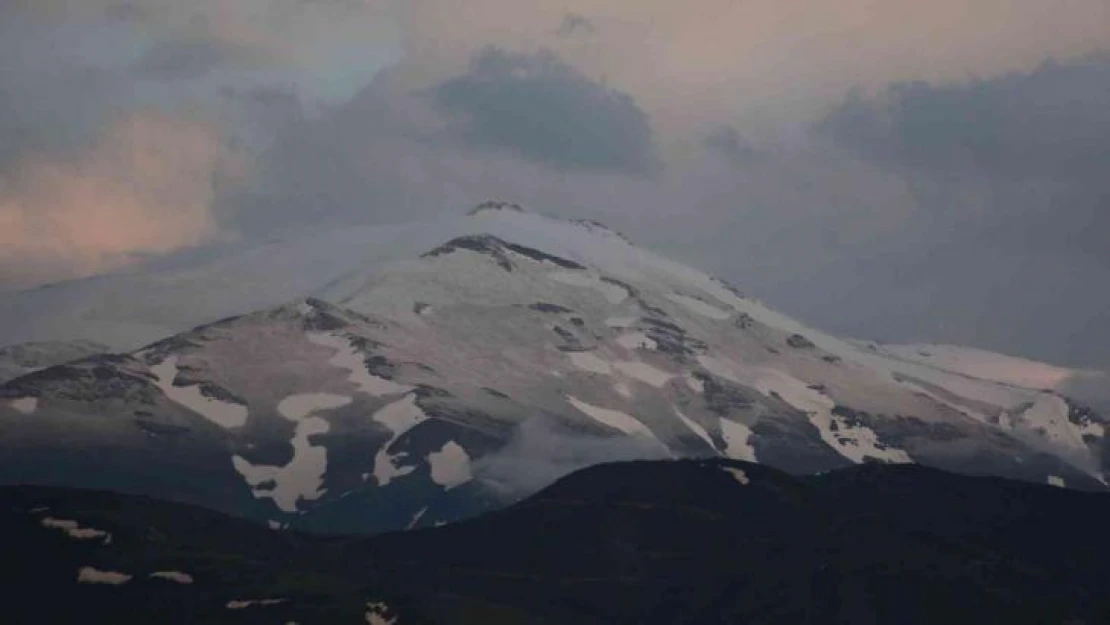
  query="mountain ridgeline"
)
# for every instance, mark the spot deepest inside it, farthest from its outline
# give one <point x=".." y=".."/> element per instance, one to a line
<point x="378" y="379"/>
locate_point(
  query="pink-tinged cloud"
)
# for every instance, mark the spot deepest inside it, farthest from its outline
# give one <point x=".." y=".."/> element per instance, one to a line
<point x="145" y="186"/>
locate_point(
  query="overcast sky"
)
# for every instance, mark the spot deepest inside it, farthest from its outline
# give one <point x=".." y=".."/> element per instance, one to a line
<point x="890" y="170"/>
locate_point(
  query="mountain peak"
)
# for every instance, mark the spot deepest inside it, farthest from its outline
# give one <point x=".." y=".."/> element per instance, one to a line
<point x="494" y="206"/>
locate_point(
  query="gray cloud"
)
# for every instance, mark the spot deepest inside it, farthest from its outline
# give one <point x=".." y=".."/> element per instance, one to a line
<point x="1005" y="243"/>
<point x="548" y="112"/>
<point x="574" y="23"/>
<point x="191" y="58"/>
<point x="543" y="450"/>
<point x="731" y="144"/>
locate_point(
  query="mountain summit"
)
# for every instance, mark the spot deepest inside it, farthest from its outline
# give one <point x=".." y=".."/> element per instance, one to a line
<point x="379" y="378"/>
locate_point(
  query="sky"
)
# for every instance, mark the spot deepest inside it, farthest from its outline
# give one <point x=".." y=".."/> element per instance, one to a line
<point x="925" y="171"/>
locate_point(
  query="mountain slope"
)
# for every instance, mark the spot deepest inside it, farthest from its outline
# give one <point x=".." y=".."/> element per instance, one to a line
<point x="510" y="350"/>
<point x="692" y="542"/>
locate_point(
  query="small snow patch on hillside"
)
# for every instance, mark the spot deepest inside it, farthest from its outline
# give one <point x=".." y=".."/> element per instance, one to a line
<point x="694" y="427"/>
<point x="239" y="604"/>
<point x="613" y="293"/>
<point x="699" y="307"/>
<point x="643" y="372"/>
<point x="612" y="418"/>
<point x="738" y="475"/>
<point x="450" y="466"/>
<point x="738" y="437"/>
<point x="376" y="614"/>
<point x="854" y="441"/>
<point x="620" y="322"/>
<point x="173" y="576"/>
<point x="1055" y="480"/>
<point x="90" y="575"/>
<point x="25" y="405"/>
<point x="399" y="417"/>
<point x="74" y="530"/>
<point x="589" y="361"/>
<point x="347" y="357"/>
<point x="223" y="413"/>
<point x="303" y="476"/>
<point x="636" y="340"/>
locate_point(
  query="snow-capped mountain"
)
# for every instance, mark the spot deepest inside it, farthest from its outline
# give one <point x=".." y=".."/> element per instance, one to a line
<point x="411" y="375"/>
<point x="23" y="358"/>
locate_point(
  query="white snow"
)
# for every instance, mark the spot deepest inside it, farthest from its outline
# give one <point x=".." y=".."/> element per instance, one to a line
<point x="612" y="418"/>
<point x="74" y="530"/>
<point x="303" y="476"/>
<point x="347" y="357"/>
<point x="1055" y="480"/>
<point x="450" y="466"/>
<point x="623" y="390"/>
<point x="90" y="575"/>
<point x="25" y="405"/>
<point x="643" y="372"/>
<point x="1048" y="417"/>
<point x="695" y="384"/>
<point x="589" y="361"/>
<point x="853" y="442"/>
<point x="699" y="307"/>
<point x="722" y="369"/>
<point x="173" y="576"/>
<point x="695" y="428"/>
<point x="613" y="293"/>
<point x="636" y="340"/>
<point x="399" y="417"/>
<point x="416" y="517"/>
<point x="375" y="614"/>
<point x="738" y="475"/>
<point x="239" y="604"/>
<point x="620" y="322"/>
<point x="983" y="364"/>
<point x="222" y="413"/>
<point x="738" y="436"/>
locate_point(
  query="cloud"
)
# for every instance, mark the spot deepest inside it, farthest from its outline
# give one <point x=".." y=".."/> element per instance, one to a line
<point x="191" y="58"/>
<point x="548" y="112"/>
<point x="543" y="450"/>
<point x="727" y="141"/>
<point x="574" y="23"/>
<point x="145" y="186"/>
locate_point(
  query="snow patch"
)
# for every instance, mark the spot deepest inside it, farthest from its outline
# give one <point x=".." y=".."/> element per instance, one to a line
<point x="416" y="518"/>
<point x="612" y="418"/>
<point x="694" y="427"/>
<point x="347" y="357"/>
<point x="399" y="417"/>
<point x="699" y="307"/>
<point x="695" y="384"/>
<point x="738" y="475"/>
<point x="589" y="361"/>
<point x="25" y="405"/>
<point x="620" y="322"/>
<point x="636" y="340"/>
<point x="1048" y="417"/>
<point x="90" y="575"/>
<point x="223" y="413"/>
<point x="854" y="442"/>
<point x="623" y="390"/>
<point x="450" y="466"/>
<point x="643" y="372"/>
<point x="303" y="476"/>
<point x="173" y="576"/>
<point x="1055" y="480"/>
<point x="738" y="441"/>
<point x="375" y="614"/>
<point x="613" y="293"/>
<point x="239" y="604"/>
<point x="74" y="530"/>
